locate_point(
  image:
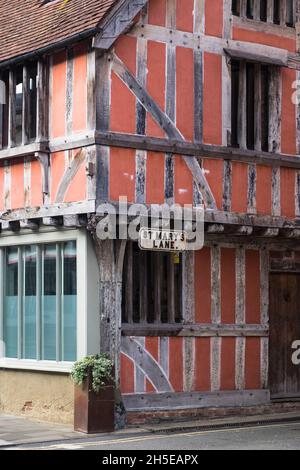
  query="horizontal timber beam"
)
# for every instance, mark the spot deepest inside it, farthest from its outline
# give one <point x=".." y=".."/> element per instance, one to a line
<point x="154" y="144"/>
<point x="24" y="150"/>
<point x="48" y="212"/>
<point x="165" y="401"/>
<point x="188" y="331"/>
<point x="214" y="217"/>
<point x="244" y="50"/>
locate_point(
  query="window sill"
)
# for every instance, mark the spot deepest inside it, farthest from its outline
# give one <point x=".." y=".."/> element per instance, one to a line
<point x="262" y="26"/>
<point x="42" y="366"/>
<point x="23" y="150"/>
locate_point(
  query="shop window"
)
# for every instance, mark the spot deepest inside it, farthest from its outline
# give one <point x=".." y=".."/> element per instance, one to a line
<point x="39" y="302"/>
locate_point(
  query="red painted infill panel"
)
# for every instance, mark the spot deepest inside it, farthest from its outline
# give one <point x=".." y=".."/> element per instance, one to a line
<point x="17" y="185"/>
<point x="122" y="174"/>
<point x="214" y="18"/>
<point x="202" y="381"/>
<point x="57" y="171"/>
<point x="123" y="107"/>
<point x="157" y="12"/>
<point x="123" y="102"/>
<point x="36" y="190"/>
<point x="184" y="15"/>
<point x="80" y="88"/>
<point x="176" y="363"/>
<point x="125" y="48"/>
<point x="264" y="190"/>
<point x="77" y="189"/>
<point x="212" y="99"/>
<point x="228" y="364"/>
<point x="203" y="286"/>
<point x="155" y="173"/>
<point x="252" y="286"/>
<point x="288" y="113"/>
<point x="239" y="187"/>
<point x="214" y="176"/>
<point x="183" y="183"/>
<point x="185" y="92"/>
<point x="59" y="86"/>
<point x="252" y="364"/>
<point x="127" y="375"/>
<point x="287" y="192"/>
<point x="247" y="35"/>
<point x="228" y="285"/>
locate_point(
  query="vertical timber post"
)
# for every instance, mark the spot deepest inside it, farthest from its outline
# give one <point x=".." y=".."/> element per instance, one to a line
<point x="110" y="256"/>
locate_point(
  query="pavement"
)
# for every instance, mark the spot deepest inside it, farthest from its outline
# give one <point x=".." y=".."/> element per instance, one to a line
<point x="277" y="430"/>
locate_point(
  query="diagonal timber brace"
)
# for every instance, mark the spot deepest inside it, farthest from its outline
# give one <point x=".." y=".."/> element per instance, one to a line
<point x="166" y="124"/>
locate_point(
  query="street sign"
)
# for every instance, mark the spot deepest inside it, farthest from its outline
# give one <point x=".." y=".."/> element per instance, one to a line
<point x="162" y="240"/>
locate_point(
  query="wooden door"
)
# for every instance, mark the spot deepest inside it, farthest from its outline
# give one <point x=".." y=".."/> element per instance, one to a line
<point x="284" y="331"/>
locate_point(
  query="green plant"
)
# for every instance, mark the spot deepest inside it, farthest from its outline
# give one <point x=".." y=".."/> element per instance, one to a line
<point x="101" y="367"/>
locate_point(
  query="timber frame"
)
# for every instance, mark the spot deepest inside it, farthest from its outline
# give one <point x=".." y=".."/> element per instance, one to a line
<point x="111" y="28"/>
<point x="224" y="227"/>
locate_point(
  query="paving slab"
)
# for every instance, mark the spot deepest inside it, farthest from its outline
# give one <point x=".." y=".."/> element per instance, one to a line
<point x="17" y="431"/>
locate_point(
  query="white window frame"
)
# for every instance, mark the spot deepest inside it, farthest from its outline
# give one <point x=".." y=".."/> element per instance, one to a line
<point x="88" y="321"/>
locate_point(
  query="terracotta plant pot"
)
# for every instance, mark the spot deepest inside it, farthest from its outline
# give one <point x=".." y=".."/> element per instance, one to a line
<point x="94" y="412"/>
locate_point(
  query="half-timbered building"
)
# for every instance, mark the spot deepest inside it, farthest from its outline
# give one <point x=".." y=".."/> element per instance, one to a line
<point x="159" y="102"/>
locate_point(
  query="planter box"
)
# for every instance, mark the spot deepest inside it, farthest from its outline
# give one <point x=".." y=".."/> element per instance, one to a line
<point x="94" y="412"/>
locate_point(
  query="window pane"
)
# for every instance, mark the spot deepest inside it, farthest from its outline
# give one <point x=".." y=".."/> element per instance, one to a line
<point x="250" y="9"/>
<point x="235" y="85"/>
<point x="32" y="101"/>
<point x="265" y="107"/>
<point x="3" y="110"/>
<point x="11" y="304"/>
<point x="276" y="12"/>
<point x="263" y="10"/>
<point x="236" y="7"/>
<point x="29" y="340"/>
<point x="250" y="106"/>
<point x="49" y="304"/>
<point x="69" y="302"/>
<point x="19" y="104"/>
<point x="290" y="13"/>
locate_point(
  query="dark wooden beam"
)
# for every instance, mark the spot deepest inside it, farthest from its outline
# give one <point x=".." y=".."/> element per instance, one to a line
<point x="23" y="151"/>
<point x="280" y="57"/>
<point x="118" y="21"/>
<point x="177" y="147"/>
<point x="209" y="330"/>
